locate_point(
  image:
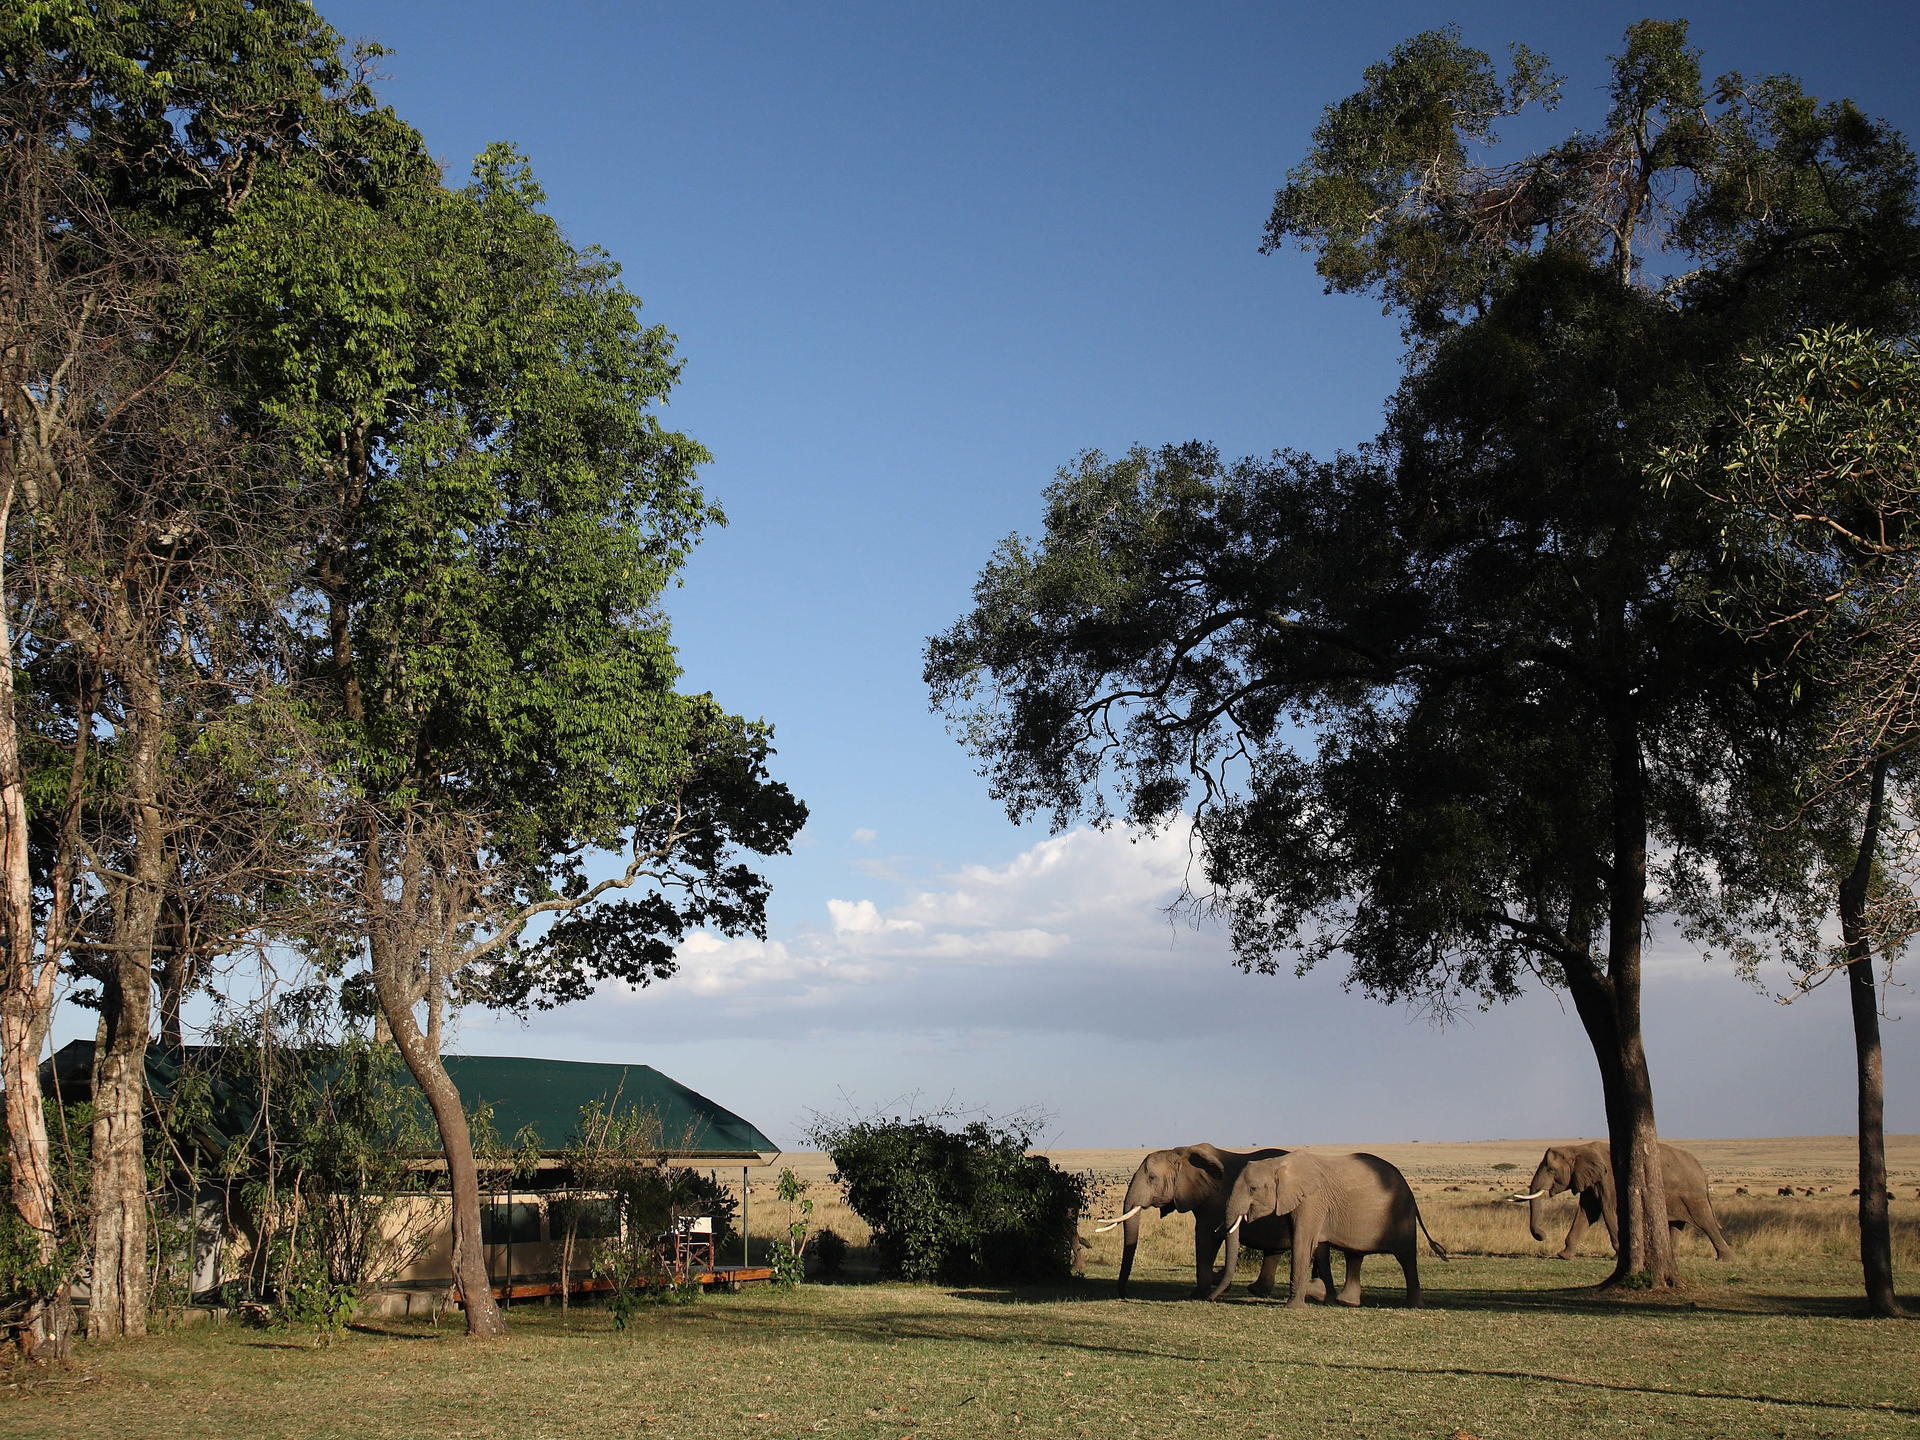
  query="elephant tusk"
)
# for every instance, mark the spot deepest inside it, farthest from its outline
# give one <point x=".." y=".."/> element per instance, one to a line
<point x="1234" y="1228"/>
<point x="1536" y="1195"/>
<point x="1118" y="1220"/>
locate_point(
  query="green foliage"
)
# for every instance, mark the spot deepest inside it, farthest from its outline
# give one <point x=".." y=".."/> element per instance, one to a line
<point x="619" y="1152"/>
<point x="829" y="1253"/>
<point x="789" y="1253"/>
<point x="25" y="1278"/>
<point x="1806" y="456"/>
<point x="1425" y="702"/>
<point x="956" y="1206"/>
<point x="1399" y="196"/>
<point x="312" y="1131"/>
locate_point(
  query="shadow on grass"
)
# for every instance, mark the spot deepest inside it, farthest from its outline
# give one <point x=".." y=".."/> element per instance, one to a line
<point x="391" y="1332"/>
<point x="938" y="1327"/>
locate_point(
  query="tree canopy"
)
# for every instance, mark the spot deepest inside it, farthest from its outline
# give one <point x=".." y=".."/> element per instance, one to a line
<point x="340" y="512"/>
<point x="1444" y="705"/>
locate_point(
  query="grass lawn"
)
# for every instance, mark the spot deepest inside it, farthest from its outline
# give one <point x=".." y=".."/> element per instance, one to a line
<point x="1504" y="1349"/>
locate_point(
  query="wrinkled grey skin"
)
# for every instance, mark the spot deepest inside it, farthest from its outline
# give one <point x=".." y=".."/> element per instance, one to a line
<point x="1195" y="1179"/>
<point x="1357" y="1204"/>
<point x="1589" y="1170"/>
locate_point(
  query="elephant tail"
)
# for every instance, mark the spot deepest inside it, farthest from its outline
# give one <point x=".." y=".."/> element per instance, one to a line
<point x="1438" y="1249"/>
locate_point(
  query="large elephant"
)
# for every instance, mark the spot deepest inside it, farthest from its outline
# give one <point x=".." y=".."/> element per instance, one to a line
<point x="1196" y="1179"/>
<point x="1358" y="1204"/>
<point x="1589" y="1170"/>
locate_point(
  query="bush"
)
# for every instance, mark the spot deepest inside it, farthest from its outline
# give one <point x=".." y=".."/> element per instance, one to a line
<point x="829" y="1254"/>
<point x="956" y="1206"/>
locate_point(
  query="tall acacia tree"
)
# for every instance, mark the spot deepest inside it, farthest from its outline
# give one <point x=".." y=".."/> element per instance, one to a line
<point x="1813" y="452"/>
<point x="437" y="560"/>
<point x="141" y="543"/>
<point x="479" y="396"/>
<point x="1441" y="706"/>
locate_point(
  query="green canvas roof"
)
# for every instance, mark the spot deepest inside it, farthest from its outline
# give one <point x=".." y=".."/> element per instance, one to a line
<point x="543" y="1095"/>
<point x="547" y="1095"/>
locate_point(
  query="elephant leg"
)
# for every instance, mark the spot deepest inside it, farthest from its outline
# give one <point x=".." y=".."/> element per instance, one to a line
<point x="1410" y="1267"/>
<point x="1584" y="1214"/>
<point x="1709" y="1224"/>
<point x="1308" y="1257"/>
<point x="1605" y="1202"/>
<point x="1321" y="1290"/>
<point x="1206" y="1245"/>
<point x="1269" y="1269"/>
<point x="1320" y="1278"/>
<point x="1350" y="1292"/>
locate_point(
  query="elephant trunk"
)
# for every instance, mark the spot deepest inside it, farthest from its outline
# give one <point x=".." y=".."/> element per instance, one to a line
<point x="1231" y="1261"/>
<point x="1541" y="1189"/>
<point x="1130" y="1241"/>
<point x="1139" y="1197"/>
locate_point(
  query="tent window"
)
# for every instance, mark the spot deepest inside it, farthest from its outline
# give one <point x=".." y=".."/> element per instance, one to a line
<point x="517" y="1224"/>
<point x="597" y="1218"/>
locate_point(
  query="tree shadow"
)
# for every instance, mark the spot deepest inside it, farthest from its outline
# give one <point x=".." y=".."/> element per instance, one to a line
<point x="386" y="1332"/>
<point x="939" y="1327"/>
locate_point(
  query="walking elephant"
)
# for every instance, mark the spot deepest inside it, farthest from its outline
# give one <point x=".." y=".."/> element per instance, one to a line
<point x="1358" y="1204"/>
<point x="1196" y="1179"/>
<point x="1588" y="1169"/>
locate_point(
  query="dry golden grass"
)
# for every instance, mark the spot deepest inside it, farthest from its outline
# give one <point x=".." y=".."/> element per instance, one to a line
<point x="1463" y="1200"/>
<point x="1511" y="1345"/>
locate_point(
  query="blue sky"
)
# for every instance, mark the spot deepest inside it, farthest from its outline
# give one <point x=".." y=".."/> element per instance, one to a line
<point x="918" y="257"/>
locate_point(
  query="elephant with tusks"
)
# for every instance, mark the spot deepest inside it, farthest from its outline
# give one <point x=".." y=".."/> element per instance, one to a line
<point x="1357" y="1204"/>
<point x="1588" y="1171"/>
<point x="1195" y="1179"/>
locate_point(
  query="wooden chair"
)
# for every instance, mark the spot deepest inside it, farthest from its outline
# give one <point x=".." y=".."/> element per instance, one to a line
<point x="688" y="1245"/>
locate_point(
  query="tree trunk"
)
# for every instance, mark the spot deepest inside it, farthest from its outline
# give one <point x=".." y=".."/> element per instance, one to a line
<point x="118" y="1292"/>
<point x="1876" y="1237"/>
<point x="26" y="1007"/>
<point x="1609" y="1008"/>
<point x="456" y="1144"/>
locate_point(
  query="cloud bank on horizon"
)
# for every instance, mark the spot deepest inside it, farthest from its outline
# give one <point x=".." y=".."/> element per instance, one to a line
<point x="1062" y="981"/>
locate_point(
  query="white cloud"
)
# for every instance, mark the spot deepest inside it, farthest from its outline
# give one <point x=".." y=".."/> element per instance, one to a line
<point x="864" y="836"/>
<point x="1002" y="945"/>
<point x="1057" y="978"/>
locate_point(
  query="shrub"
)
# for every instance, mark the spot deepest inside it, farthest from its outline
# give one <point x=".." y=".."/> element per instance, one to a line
<point x="829" y="1254"/>
<point x="956" y="1206"/>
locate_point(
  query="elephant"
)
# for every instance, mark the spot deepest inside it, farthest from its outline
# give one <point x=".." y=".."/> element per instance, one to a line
<point x="1358" y="1204"/>
<point x="1196" y="1179"/>
<point x="1589" y="1169"/>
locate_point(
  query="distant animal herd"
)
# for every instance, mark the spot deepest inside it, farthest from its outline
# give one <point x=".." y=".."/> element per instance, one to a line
<point x="1306" y="1206"/>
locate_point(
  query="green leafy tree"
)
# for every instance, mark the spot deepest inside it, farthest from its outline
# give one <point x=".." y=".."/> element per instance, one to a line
<point x="442" y="514"/>
<point x="1443" y="706"/>
<point x="1813" y="453"/>
<point x="479" y="395"/>
<point x="146" y="540"/>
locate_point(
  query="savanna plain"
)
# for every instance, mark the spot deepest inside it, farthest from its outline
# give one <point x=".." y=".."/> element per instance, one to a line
<point x="1511" y="1342"/>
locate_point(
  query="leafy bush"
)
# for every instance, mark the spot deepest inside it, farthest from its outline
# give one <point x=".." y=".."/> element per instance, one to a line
<point x="956" y="1206"/>
<point x="787" y="1254"/>
<point x="26" y="1279"/>
<point x="308" y="1127"/>
<point x="829" y="1254"/>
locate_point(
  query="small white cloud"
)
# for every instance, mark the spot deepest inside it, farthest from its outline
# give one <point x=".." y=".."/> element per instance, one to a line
<point x="864" y="836"/>
<point x="863" y="917"/>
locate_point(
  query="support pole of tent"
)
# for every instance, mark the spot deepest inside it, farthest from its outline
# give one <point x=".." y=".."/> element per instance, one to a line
<point x="746" y="1205"/>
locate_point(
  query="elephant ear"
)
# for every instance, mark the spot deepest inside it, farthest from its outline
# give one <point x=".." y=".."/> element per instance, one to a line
<point x="1207" y="1158"/>
<point x="1589" y="1171"/>
<point x="1280" y="1187"/>
<point x="1199" y="1181"/>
